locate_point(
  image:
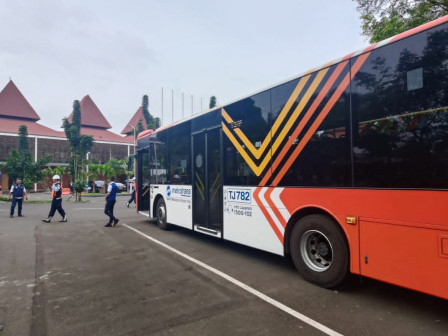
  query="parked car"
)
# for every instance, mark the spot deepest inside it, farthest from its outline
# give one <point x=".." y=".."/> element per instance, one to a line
<point x="98" y="186"/>
<point x="121" y="186"/>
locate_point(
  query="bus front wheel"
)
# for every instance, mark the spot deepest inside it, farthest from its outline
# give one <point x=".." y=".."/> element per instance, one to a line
<point x="161" y="214"/>
<point x="319" y="251"/>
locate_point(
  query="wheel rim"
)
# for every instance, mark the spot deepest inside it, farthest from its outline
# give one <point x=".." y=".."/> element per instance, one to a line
<point x="161" y="213"/>
<point x="316" y="250"/>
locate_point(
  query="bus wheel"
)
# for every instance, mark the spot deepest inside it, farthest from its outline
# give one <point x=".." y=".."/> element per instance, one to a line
<point x="319" y="251"/>
<point x="161" y="214"/>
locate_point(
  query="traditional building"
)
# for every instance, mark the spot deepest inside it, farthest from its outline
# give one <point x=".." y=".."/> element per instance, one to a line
<point x="15" y="111"/>
<point x="130" y="129"/>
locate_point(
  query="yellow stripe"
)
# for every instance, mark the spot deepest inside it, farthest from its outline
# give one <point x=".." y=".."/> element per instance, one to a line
<point x="241" y="150"/>
<point x="303" y="102"/>
<point x="199" y="179"/>
<point x="257" y="153"/>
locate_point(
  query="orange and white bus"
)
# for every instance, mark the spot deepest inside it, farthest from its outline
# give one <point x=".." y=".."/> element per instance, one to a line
<point x="345" y="168"/>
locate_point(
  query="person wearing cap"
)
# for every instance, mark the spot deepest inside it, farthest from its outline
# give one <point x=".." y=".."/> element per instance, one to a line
<point x="56" y="202"/>
<point x="18" y="192"/>
<point x="132" y="189"/>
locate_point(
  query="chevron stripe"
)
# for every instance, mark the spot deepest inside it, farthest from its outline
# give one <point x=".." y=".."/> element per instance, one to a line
<point x="323" y="92"/>
<point x="266" y="213"/>
<point x="257" y="152"/>
<point x="321" y="116"/>
<point x="258" y="169"/>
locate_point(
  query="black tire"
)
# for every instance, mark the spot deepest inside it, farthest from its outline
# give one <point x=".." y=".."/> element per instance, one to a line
<point x="161" y="215"/>
<point x="319" y="251"/>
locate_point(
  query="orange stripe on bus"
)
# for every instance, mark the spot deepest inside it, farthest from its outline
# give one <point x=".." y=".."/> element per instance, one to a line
<point x="359" y="62"/>
<point x="305" y="119"/>
<point x="274" y="207"/>
<point x="267" y="216"/>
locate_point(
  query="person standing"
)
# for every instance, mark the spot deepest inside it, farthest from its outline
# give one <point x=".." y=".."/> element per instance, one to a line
<point x="56" y="202"/>
<point x="111" y="197"/>
<point x="132" y="187"/>
<point x="17" y="192"/>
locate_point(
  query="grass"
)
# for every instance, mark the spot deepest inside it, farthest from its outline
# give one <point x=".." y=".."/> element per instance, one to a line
<point x="5" y="199"/>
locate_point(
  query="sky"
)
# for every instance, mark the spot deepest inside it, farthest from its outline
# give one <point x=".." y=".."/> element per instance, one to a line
<point x="59" y="51"/>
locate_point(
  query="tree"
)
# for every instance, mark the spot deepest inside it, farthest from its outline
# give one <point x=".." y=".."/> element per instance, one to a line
<point x="139" y="128"/>
<point x="212" y="102"/>
<point x="382" y="19"/>
<point x="151" y="122"/>
<point x="59" y="170"/>
<point x="20" y="164"/>
<point x="79" y="145"/>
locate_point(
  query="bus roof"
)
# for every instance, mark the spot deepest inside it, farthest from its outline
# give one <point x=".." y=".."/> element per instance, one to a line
<point x="395" y="38"/>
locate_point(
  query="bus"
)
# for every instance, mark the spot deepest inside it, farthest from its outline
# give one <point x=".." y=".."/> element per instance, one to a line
<point x="343" y="168"/>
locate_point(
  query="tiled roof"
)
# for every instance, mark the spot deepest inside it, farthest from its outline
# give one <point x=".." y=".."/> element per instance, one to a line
<point x="14" y="104"/>
<point x="101" y="134"/>
<point x="91" y="114"/>
<point x="134" y="121"/>
<point x="11" y="125"/>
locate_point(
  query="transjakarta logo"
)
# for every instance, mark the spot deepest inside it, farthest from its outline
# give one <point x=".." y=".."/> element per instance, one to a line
<point x="178" y="191"/>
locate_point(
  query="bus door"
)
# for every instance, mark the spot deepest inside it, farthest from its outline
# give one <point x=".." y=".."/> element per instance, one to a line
<point x="207" y="181"/>
<point x="143" y="178"/>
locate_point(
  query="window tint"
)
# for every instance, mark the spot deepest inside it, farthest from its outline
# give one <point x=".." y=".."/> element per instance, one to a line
<point x="400" y="116"/>
<point x="325" y="158"/>
<point x="158" y="158"/>
<point x="180" y="153"/>
<point x="249" y="119"/>
<point x="208" y="120"/>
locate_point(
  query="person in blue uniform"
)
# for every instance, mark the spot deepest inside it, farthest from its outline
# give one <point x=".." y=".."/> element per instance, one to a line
<point x="56" y="202"/>
<point x="18" y="192"/>
<point x="111" y="198"/>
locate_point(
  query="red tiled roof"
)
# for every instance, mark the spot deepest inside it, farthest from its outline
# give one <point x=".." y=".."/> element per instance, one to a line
<point x="11" y="125"/>
<point x="101" y="134"/>
<point x="91" y="114"/>
<point x="134" y="121"/>
<point x="14" y="104"/>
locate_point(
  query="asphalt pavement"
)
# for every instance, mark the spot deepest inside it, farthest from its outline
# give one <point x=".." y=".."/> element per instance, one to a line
<point x="81" y="278"/>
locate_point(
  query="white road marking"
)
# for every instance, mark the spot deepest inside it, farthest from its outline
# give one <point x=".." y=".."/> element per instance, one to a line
<point x="242" y="285"/>
<point x="91" y="208"/>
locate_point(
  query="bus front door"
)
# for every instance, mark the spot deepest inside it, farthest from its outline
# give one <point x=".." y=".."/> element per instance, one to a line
<point x="143" y="178"/>
<point x="207" y="182"/>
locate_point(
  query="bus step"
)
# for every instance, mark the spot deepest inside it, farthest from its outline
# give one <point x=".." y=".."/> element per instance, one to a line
<point x="208" y="231"/>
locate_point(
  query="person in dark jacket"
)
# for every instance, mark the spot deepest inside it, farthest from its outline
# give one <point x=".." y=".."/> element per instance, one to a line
<point x="18" y="192"/>
<point x="56" y="202"/>
<point x="111" y="197"/>
<point x="132" y="188"/>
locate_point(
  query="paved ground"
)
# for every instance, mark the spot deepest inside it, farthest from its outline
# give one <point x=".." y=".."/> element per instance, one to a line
<point x="80" y="278"/>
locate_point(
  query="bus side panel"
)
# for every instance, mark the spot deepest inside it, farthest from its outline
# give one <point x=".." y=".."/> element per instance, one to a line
<point x="178" y="203"/>
<point x="404" y="255"/>
<point x="399" y="236"/>
<point x="245" y="221"/>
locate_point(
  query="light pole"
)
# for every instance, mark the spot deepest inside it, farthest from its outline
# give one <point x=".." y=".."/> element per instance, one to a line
<point x="134" y="136"/>
<point x="87" y="166"/>
<point x="134" y="152"/>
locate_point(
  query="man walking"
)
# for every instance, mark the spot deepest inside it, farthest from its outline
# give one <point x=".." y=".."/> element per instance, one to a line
<point x="56" y="202"/>
<point x="110" y="202"/>
<point x="17" y="192"/>
<point x="132" y="189"/>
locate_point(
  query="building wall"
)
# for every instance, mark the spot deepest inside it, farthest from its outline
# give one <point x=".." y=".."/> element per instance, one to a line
<point x="60" y="149"/>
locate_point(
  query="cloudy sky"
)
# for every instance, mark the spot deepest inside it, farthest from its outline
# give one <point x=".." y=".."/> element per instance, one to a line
<point x="116" y="51"/>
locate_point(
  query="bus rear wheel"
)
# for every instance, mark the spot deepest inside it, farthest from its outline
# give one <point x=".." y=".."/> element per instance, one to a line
<point x="161" y="215"/>
<point x="319" y="251"/>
